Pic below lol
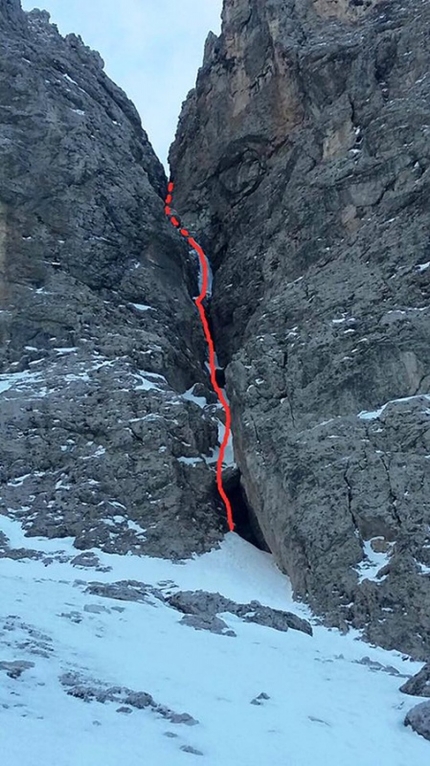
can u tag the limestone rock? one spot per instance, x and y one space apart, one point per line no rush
190 749
16 668
260 699
210 622
302 160
90 690
419 719
100 343
125 590
205 606
419 684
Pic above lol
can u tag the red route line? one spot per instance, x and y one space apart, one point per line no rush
199 303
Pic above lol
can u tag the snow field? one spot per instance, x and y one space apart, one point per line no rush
324 706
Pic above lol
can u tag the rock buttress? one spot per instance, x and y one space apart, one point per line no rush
99 337
302 156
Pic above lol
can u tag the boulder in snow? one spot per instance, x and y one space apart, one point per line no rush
419 719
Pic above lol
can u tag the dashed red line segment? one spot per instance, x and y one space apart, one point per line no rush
212 364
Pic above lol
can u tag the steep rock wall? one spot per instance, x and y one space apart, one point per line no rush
99 339
302 157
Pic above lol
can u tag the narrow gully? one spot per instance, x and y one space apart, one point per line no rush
205 288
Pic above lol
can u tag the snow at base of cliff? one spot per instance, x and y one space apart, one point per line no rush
260 697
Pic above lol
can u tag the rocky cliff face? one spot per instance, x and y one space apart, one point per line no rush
302 160
101 438
302 157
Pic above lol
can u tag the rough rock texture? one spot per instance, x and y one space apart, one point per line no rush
199 607
419 719
100 343
16 668
125 590
205 607
302 158
419 684
378 667
89 690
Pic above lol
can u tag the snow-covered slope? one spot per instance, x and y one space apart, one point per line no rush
259 697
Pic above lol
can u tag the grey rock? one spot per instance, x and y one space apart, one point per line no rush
272 618
185 718
205 606
139 700
75 617
124 590
87 560
419 719
95 608
314 719
379 667
99 336
12 14
16 668
260 699
419 684
18 554
26 637
191 749
90 690
302 162
207 622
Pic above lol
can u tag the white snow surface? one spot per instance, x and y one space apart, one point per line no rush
141 306
200 272
18 380
145 381
228 452
189 396
325 706
372 563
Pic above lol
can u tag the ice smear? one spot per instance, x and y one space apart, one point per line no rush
141 306
373 415
200 273
146 382
201 401
212 459
372 563
18 380
190 460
